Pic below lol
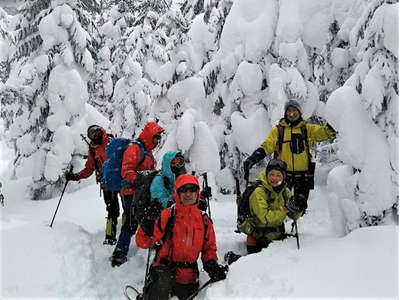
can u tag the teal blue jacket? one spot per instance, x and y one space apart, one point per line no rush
158 189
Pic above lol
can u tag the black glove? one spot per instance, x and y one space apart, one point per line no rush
254 158
153 211
202 205
71 176
206 193
292 207
147 226
216 271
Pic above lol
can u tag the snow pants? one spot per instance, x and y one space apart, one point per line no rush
129 224
112 207
162 284
301 184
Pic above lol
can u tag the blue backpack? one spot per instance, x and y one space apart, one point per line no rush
111 177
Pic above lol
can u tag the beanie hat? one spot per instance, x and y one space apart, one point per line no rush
293 103
276 164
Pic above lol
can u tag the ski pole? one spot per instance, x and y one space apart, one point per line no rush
59 201
296 234
199 290
205 184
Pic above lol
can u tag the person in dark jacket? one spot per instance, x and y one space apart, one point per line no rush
150 138
180 234
94 163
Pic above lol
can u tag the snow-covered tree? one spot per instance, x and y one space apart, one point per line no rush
371 92
44 97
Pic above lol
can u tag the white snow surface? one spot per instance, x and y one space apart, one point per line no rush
69 260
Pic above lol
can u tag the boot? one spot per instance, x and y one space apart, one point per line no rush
118 258
111 230
230 257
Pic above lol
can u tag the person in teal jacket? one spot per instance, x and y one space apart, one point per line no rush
162 187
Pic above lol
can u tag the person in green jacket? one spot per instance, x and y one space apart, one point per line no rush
269 203
291 141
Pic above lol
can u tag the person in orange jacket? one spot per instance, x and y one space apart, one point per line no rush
131 164
180 234
94 163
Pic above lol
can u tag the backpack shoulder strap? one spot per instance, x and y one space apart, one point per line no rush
279 143
304 134
266 191
142 150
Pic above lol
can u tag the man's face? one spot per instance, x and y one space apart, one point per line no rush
188 194
274 178
292 114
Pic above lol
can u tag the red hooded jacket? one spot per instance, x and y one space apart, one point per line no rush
132 155
99 157
191 235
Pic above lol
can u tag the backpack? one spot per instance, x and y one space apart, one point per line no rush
142 196
111 177
243 203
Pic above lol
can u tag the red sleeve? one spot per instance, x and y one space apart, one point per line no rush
89 167
144 241
130 162
209 250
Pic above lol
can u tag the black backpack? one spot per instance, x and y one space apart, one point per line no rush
142 196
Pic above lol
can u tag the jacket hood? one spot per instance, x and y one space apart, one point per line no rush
146 136
166 165
182 180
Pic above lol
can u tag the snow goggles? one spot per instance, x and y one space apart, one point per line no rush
94 133
177 162
191 188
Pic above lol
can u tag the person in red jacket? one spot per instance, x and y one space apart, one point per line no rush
94 163
180 234
131 164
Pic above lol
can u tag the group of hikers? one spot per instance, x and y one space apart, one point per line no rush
175 222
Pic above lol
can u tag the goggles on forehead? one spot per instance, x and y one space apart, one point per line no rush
177 162
94 132
277 163
191 188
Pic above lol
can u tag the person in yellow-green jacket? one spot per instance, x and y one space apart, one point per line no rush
291 141
269 204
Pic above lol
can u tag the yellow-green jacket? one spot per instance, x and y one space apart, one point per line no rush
268 210
295 162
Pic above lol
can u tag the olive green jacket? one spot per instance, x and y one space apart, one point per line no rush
268 210
295 162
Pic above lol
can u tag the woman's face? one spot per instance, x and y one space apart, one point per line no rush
292 114
274 178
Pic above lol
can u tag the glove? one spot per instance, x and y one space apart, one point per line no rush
301 201
202 205
254 158
292 208
153 211
147 226
71 176
216 271
246 168
206 193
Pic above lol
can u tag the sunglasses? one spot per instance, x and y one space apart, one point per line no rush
177 162
94 132
191 188
277 163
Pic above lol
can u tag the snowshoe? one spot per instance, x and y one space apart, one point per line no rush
230 257
118 258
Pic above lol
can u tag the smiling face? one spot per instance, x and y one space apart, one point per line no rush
275 178
292 114
188 194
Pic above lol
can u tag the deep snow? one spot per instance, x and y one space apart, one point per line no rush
69 260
